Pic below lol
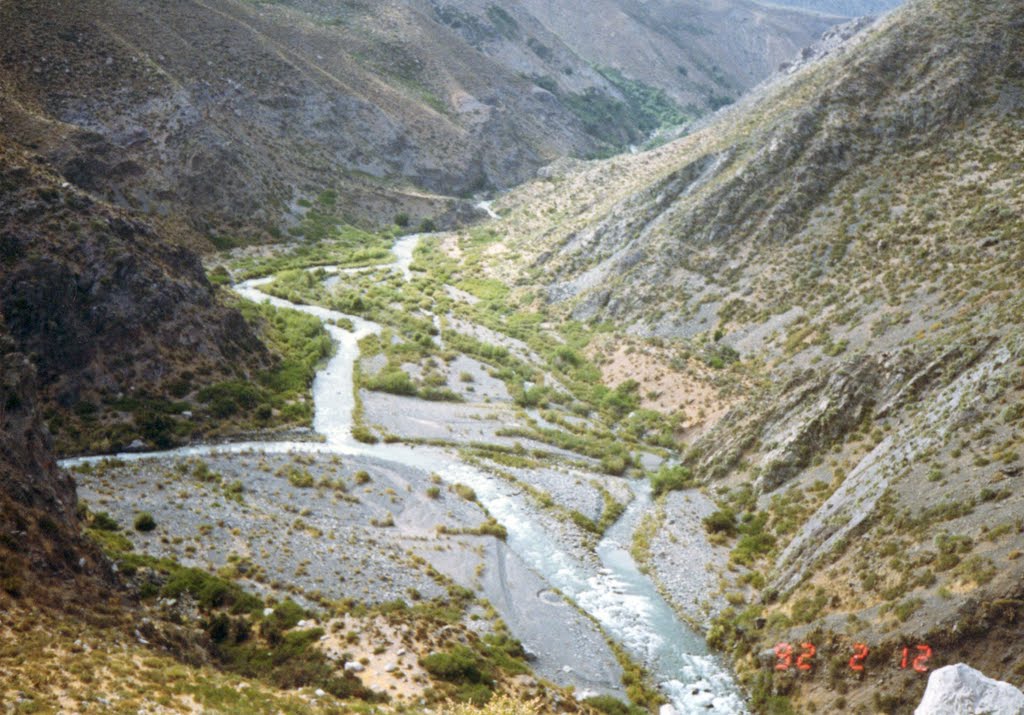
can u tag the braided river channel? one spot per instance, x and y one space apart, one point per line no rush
616 594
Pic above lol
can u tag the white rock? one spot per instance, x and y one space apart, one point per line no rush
401 651
390 668
961 690
320 693
354 667
300 624
667 709
566 668
268 612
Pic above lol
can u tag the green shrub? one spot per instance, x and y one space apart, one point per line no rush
612 706
396 382
460 665
754 542
145 522
722 521
465 491
202 472
104 522
157 428
473 693
209 591
614 464
491 527
364 435
300 477
584 522
623 399
1014 412
671 478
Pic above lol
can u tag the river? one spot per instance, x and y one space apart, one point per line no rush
618 596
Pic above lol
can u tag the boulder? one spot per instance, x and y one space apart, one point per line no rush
961 690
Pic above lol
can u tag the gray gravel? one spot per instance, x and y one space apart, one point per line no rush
460 423
301 539
288 540
684 562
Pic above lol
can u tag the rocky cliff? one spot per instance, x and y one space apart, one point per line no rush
42 554
107 308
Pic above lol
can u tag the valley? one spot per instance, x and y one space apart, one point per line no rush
361 512
447 357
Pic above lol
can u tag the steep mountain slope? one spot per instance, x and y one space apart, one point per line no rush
42 554
228 112
223 114
703 54
843 252
110 312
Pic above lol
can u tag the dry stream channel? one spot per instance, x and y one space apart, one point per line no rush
615 594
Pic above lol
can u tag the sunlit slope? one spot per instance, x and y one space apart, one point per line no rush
846 244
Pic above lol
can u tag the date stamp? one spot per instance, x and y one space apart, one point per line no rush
800 657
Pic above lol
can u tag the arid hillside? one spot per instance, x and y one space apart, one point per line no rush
110 311
222 116
840 256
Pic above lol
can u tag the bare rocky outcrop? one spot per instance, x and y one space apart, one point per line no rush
961 690
42 554
104 306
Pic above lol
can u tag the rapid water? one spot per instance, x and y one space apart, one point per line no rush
618 596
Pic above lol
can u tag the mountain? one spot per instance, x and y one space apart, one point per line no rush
704 55
835 261
222 116
42 554
846 8
131 133
109 308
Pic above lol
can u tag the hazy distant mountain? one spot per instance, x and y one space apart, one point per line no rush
849 8
703 54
